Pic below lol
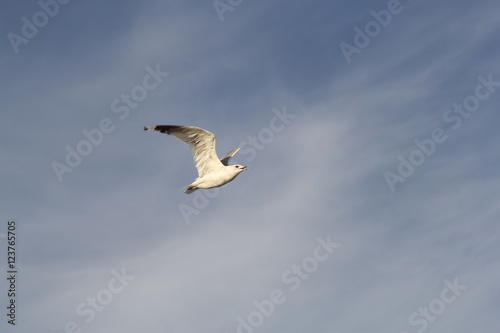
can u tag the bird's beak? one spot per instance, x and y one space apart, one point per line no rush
245 167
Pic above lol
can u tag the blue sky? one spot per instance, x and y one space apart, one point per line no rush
371 199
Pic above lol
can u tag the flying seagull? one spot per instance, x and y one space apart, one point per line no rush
212 172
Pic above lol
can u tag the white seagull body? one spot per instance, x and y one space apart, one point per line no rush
212 172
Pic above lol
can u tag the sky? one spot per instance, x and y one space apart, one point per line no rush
370 129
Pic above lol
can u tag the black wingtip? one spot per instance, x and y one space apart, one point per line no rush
145 128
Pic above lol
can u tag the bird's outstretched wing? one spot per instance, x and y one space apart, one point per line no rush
227 157
201 142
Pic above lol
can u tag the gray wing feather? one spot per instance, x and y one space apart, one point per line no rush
201 142
227 157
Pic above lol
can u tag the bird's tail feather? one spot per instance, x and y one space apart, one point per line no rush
189 189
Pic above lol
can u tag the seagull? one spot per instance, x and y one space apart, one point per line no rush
212 172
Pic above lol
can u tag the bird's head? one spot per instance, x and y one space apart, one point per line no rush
239 168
